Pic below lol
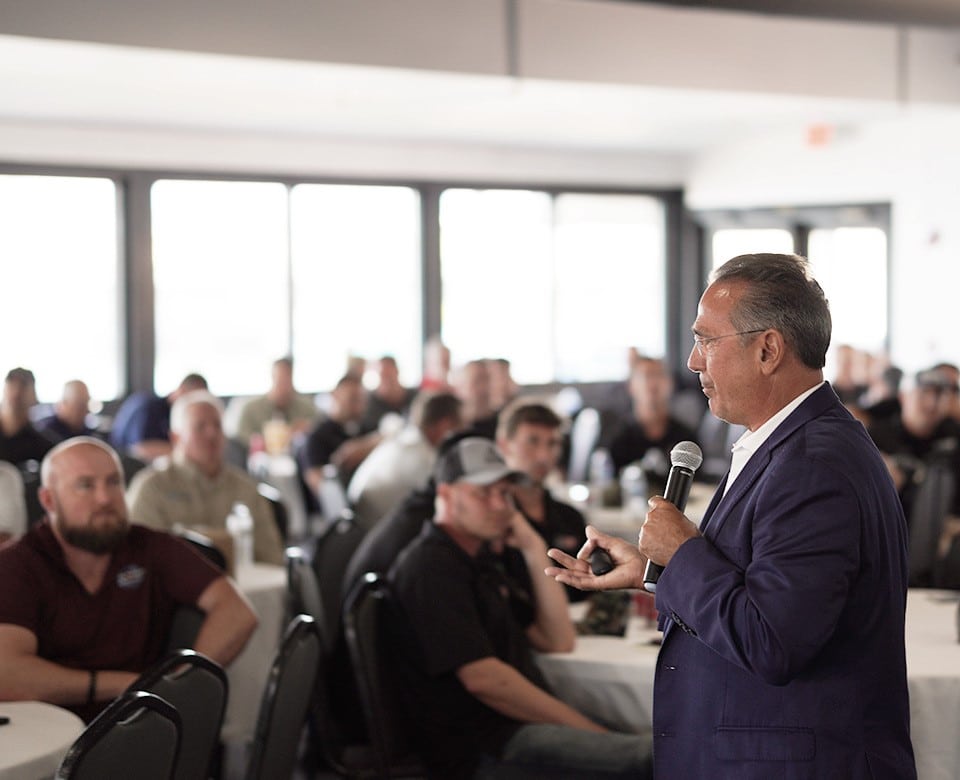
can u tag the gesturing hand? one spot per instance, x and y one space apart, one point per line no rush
627 571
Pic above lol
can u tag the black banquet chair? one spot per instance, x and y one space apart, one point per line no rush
365 614
287 699
197 686
137 735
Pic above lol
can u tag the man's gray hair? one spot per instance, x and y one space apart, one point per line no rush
178 412
780 293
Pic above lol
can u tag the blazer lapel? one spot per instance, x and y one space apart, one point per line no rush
720 507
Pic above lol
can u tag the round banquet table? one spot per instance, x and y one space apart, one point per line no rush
36 739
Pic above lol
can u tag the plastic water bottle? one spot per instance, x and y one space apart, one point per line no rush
633 491
601 476
240 528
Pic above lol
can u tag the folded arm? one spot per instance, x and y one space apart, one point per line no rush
229 621
24 676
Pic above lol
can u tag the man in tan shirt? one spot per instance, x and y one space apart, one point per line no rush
197 487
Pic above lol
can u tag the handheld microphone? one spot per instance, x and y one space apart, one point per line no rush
685 458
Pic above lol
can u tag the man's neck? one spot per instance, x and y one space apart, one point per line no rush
89 568
12 422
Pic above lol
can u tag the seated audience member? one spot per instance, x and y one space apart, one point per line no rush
196 486
531 440
436 366
920 432
336 440
952 372
404 461
70 414
652 432
881 399
141 427
20 442
851 374
476 702
388 397
503 389
472 385
87 600
281 402
13 505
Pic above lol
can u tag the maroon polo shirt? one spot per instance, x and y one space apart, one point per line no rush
124 626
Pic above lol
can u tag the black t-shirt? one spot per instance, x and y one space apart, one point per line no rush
453 610
26 444
913 453
629 443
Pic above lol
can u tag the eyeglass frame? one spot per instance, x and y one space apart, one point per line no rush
700 343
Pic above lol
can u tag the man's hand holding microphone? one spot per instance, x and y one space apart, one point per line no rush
608 563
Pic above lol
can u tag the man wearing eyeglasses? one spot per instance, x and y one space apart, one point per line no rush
783 612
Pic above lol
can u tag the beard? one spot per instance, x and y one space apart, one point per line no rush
94 540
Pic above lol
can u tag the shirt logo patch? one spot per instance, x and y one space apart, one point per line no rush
131 576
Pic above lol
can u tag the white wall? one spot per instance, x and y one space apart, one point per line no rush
911 161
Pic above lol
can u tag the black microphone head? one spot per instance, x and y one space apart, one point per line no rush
686 454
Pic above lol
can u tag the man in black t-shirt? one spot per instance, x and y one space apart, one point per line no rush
475 700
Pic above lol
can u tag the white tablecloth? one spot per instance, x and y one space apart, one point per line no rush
622 523
611 679
36 739
264 586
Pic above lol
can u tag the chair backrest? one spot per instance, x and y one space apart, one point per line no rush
13 503
287 699
303 592
366 611
203 545
931 504
584 434
137 735
197 687
332 551
280 514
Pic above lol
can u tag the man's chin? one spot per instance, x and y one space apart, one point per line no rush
98 541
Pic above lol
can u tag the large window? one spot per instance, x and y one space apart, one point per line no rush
356 279
221 281
847 249
61 313
559 285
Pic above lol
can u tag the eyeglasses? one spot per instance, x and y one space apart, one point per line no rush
700 343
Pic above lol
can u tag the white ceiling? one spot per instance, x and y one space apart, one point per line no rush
113 87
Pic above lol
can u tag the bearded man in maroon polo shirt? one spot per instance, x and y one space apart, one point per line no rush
87 599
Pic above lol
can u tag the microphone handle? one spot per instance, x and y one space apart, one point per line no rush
677 492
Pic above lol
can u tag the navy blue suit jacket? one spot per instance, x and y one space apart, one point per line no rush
783 651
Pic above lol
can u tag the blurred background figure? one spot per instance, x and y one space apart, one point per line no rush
141 427
196 487
70 414
503 388
436 365
404 461
389 396
20 442
282 407
472 385
652 431
337 440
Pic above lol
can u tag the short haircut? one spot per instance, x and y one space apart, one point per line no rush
178 412
524 411
428 409
780 293
347 379
46 466
22 375
285 361
194 382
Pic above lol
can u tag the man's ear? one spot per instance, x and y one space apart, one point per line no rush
772 350
45 496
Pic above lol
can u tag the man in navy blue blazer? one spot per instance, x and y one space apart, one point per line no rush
783 613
